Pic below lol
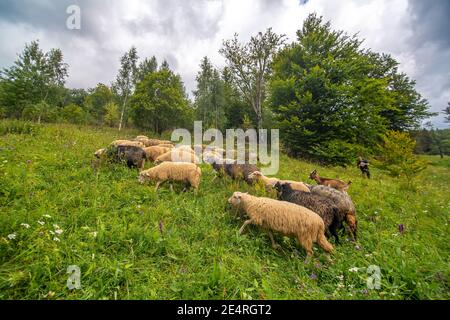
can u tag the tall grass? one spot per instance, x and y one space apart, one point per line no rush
131 243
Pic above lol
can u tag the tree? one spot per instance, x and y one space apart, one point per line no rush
145 67
396 156
209 96
160 102
408 107
249 64
35 77
440 140
126 80
112 115
447 113
97 100
74 114
330 96
236 107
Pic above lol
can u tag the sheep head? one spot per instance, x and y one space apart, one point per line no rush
313 175
99 153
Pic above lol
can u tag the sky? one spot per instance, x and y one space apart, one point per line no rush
415 32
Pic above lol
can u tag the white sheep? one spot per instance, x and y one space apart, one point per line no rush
287 218
271 182
128 143
177 155
187 173
154 152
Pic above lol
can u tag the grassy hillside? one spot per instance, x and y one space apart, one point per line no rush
131 243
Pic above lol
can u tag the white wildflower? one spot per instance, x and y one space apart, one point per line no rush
52 233
340 285
58 231
47 216
56 226
56 239
41 222
25 225
12 236
94 234
341 277
354 269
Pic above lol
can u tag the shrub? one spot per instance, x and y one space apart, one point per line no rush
18 127
112 115
395 155
74 114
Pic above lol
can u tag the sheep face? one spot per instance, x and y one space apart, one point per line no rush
313 175
99 153
255 176
236 199
142 178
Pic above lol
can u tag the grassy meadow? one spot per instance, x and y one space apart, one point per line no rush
56 210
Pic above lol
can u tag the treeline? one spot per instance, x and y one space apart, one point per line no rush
331 98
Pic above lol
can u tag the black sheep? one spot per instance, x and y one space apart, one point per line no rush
134 157
324 207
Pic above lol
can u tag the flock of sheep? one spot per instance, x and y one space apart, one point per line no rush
308 213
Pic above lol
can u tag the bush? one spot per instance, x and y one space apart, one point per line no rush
395 155
41 111
337 152
74 114
112 114
18 127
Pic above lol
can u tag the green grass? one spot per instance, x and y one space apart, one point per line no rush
131 243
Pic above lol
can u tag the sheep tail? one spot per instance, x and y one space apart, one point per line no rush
323 242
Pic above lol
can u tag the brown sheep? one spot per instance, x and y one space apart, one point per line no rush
334 183
286 218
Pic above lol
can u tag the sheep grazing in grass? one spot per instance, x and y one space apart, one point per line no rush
344 203
334 183
177 155
271 182
324 207
154 152
284 217
152 142
129 143
166 145
133 156
234 170
98 154
187 173
211 157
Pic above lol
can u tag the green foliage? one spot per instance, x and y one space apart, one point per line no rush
395 155
112 115
35 76
41 111
131 243
18 127
325 88
338 152
248 65
97 100
209 96
160 102
73 113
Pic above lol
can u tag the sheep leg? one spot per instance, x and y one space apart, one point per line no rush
275 245
241 230
334 231
158 184
171 186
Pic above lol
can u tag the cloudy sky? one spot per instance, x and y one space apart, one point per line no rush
415 32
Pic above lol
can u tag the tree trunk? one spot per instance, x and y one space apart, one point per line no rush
122 113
